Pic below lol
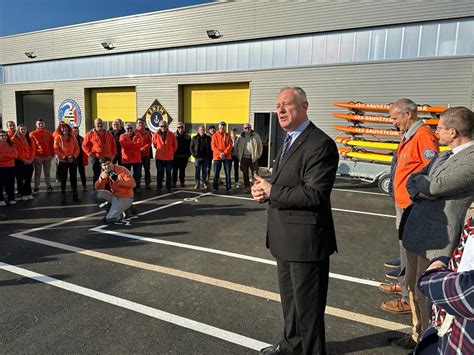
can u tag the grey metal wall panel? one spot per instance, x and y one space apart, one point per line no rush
440 82
239 20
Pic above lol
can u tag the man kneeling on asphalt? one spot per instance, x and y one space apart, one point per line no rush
115 186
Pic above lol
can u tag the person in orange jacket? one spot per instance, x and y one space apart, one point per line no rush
131 143
11 129
146 152
26 148
221 145
114 186
165 144
44 154
8 154
99 143
66 149
82 159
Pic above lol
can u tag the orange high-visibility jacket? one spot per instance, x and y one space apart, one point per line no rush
146 136
221 142
8 154
25 151
65 147
412 155
122 187
131 148
165 149
44 142
99 145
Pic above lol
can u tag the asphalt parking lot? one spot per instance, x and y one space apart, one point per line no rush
190 275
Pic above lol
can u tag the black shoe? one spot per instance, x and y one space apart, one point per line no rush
63 199
392 264
137 190
405 342
158 191
393 274
75 198
272 350
170 191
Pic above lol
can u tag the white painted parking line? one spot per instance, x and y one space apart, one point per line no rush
366 213
142 309
355 317
363 192
100 229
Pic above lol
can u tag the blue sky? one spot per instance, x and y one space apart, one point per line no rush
20 16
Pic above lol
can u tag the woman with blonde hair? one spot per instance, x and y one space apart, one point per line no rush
26 149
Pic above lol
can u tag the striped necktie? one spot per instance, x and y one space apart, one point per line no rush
286 145
442 160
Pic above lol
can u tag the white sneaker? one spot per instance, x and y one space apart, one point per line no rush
3 203
24 198
12 202
29 197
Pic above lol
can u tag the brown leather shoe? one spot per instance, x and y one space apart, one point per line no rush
396 306
390 288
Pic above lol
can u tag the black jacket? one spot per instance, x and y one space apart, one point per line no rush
184 141
201 146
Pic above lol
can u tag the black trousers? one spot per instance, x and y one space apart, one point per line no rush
245 165
82 172
179 167
63 169
96 170
303 292
7 182
235 165
24 173
146 167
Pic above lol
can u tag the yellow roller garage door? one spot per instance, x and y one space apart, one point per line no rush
211 103
112 103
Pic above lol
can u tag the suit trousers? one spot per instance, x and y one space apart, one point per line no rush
303 292
420 305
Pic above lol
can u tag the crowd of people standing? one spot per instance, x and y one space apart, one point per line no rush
24 155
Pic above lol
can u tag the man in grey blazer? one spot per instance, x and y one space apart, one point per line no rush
300 229
441 194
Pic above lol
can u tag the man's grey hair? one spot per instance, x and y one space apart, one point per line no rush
406 105
461 119
300 93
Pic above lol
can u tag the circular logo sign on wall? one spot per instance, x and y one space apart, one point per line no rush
69 112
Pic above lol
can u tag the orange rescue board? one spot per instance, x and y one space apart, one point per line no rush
385 107
376 119
370 131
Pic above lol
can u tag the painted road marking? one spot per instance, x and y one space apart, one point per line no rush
355 317
142 309
100 229
363 192
365 213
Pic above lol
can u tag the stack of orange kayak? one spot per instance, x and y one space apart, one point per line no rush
357 147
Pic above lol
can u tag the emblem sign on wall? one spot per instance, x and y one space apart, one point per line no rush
156 113
69 112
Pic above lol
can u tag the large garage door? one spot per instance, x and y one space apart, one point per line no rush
112 103
211 103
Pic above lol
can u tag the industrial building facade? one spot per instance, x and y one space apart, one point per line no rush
227 60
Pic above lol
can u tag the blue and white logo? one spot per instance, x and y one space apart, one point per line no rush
69 112
429 154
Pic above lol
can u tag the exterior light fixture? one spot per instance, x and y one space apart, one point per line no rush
213 34
108 45
30 55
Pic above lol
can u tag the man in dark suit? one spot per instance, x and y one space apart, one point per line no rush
300 230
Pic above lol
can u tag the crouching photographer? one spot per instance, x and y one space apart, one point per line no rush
115 186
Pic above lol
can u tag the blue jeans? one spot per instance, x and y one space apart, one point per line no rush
200 165
161 166
217 171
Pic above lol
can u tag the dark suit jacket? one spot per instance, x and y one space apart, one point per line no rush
300 225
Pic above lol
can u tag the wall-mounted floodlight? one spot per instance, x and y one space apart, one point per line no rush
213 34
30 55
108 45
